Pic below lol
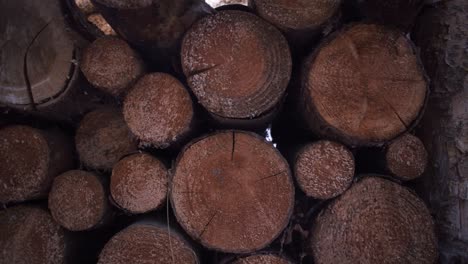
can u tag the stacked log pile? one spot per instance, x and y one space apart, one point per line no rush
232 135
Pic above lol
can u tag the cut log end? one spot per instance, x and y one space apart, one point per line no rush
232 191
296 15
262 259
147 243
158 110
103 138
111 65
365 85
29 235
29 160
139 183
237 65
77 200
324 169
375 221
406 157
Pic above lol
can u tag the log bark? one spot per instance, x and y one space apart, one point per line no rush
102 138
441 33
153 27
237 65
139 183
159 110
324 169
30 159
28 234
111 65
232 191
406 157
147 242
78 201
375 221
364 86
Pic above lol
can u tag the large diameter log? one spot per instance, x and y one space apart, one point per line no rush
154 27
78 200
139 183
441 34
111 65
143 243
262 259
237 65
324 169
232 191
406 157
28 235
103 138
363 86
375 221
29 160
159 110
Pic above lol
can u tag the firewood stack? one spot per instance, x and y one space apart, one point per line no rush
230 133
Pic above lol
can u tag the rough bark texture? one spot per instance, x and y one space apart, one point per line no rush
363 86
143 243
324 169
28 235
139 183
159 110
441 33
237 65
232 191
78 200
154 27
30 159
375 221
103 138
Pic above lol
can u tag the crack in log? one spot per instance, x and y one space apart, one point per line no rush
207 224
25 64
271 176
233 145
202 70
396 114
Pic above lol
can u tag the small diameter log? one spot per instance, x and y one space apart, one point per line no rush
139 183
262 259
28 235
296 16
103 138
232 191
29 160
159 110
364 86
78 200
226 3
154 27
375 221
324 169
111 65
237 65
406 157
143 243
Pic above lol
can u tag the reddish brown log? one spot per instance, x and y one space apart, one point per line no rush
28 235
29 161
363 86
406 157
159 110
262 259
103 138
237 65
78 200
139 183
375 221
232 191
143 243
324 169
111 65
